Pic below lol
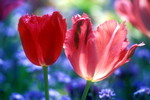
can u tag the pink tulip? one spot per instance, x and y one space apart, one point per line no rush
137 12
95 55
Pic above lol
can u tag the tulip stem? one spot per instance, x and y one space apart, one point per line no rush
45 70
86 89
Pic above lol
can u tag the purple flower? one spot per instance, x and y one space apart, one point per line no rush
54 94
131 70
6 64
142 92
64 98
106 94
62 77
16 96
64 62
76 87
34 95
2 78
22 60
1 49
143 54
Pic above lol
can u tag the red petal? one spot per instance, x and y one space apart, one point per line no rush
51 37
27 40
42 37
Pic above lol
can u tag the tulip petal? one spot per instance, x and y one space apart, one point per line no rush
77 17
145 12
124 8
129 54
46 34
27 40
135 11
110 38
51 37
126 58
76 50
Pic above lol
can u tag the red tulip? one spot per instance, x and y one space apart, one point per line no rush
6 6
137 12
42 37
95 55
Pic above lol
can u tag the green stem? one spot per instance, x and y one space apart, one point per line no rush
45 70
86 89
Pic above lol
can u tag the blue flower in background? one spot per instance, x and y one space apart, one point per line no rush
131 70
62 77
64 98
22 60
75 84
142 94
1 61
8 30
6 64
64 63
2 78
141 91
46 10
106 94
1 52
16 96
34 95
143 53
22 10
75 89
54 95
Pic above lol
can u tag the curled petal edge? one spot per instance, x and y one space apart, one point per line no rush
124 60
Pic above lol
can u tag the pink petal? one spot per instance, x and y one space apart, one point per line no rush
136 11
124 8
76 46
129 54
78 17
145 12
110 38
126 58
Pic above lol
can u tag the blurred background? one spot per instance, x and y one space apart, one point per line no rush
21 80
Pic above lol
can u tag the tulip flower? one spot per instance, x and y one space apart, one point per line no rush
95 55
137 12
42 39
